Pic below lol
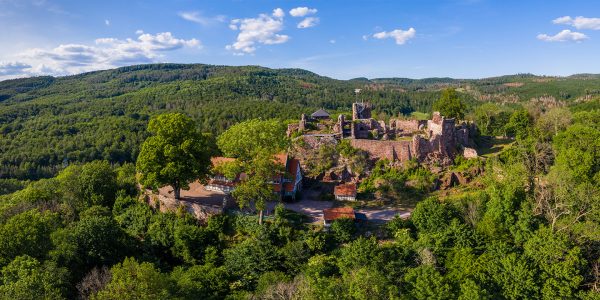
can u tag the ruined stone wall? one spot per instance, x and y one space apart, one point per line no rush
421 147
364 128
434 128
292 128
361 111
391 150
406 127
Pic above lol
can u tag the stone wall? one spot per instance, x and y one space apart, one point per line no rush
361 111
406 127
391 150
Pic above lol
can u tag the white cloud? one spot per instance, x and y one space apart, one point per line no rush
197 17
13 68
332 41
563 36
107 22
401 36
263 29
302 11
105 53
278 13
308 22
579 22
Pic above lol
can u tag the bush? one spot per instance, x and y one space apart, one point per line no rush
343 229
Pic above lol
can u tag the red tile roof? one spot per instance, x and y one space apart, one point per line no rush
345 190
281 158
330 214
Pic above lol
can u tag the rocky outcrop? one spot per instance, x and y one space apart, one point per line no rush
200 211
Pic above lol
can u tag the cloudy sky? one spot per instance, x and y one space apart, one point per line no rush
340 39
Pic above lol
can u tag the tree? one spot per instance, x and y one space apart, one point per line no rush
357 254
93 183
133 280
25 278
250 258
246 139
27 233
431 215
554 121
366 284
175 154
491 118
578 152
201 282
93 282
560 262
450 105
343 229
258 189
520 124
95 240
424 282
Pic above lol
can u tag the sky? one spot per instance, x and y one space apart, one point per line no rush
339 39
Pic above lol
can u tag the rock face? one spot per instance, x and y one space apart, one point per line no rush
200 211
452 179
469 153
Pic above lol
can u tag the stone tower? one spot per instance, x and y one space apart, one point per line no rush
361 111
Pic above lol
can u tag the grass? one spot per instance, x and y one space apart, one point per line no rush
497 145
417 115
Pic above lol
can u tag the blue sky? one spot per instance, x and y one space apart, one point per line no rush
340 39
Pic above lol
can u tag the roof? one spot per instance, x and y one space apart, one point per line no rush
330 214
291 166
345 190
281 158
320 114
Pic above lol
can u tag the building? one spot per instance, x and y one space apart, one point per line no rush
345 192
220 183
286 184
320 114
332 214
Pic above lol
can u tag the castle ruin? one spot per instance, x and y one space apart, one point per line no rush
439 139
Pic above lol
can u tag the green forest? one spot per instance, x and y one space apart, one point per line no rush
72 225
47 123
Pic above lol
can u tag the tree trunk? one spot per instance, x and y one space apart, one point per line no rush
260 217
177 192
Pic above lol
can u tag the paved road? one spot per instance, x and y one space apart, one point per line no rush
314 209
384 214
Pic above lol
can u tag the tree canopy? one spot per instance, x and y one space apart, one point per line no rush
247 139
175 154
450 104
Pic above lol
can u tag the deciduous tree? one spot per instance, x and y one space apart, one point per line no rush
450 105
175 154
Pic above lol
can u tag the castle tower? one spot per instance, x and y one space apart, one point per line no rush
361 111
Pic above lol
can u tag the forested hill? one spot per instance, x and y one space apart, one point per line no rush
48 122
